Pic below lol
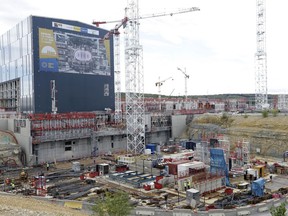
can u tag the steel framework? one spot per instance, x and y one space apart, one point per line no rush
261 99
117 73
134 82
134 76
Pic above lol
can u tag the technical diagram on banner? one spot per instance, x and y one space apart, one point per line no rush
69 52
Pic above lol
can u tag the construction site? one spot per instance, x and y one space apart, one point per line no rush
180 155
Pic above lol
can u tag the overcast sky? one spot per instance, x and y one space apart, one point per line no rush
215 45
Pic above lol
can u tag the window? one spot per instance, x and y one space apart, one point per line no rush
112 145
68 146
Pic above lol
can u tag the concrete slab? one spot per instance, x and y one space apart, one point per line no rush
276 183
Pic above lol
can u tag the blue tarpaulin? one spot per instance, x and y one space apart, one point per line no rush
258 187
218 163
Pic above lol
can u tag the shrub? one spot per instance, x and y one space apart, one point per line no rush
278 211
265 113
275 112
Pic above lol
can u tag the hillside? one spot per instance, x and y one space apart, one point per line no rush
267 135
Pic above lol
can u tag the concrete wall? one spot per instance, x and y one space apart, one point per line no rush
160 137
3 124
178 125
258 209
23 137
148 122
113 144
60 151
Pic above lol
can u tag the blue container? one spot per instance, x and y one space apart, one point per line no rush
152 147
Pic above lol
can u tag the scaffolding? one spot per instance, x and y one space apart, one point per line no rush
208 183
282 102
53 127
242 152
10 95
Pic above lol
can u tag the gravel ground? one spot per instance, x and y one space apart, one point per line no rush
27 206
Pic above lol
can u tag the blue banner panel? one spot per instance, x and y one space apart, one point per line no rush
49 65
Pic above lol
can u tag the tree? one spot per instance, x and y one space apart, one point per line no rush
278 211
113 204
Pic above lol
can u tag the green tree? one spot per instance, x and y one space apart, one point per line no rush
113 204
278 211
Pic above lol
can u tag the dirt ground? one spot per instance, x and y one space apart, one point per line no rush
26 206
18 205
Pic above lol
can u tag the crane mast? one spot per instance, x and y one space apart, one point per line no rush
261 99
117 77
186 76
134 82
117 73
159 84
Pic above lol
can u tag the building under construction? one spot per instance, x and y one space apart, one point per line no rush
57 92
53 65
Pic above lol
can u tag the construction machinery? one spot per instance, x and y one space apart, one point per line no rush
159 84
134 76
186 76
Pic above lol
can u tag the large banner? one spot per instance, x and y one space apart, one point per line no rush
71 52
48 53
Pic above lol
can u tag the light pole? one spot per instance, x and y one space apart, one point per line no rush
178 194
143 165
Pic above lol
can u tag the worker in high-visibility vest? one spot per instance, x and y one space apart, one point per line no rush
12 185
188 185
185 185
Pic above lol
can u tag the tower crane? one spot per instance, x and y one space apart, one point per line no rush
134 76
186 77
159 84
146 16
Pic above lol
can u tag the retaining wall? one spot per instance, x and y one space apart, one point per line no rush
259 208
